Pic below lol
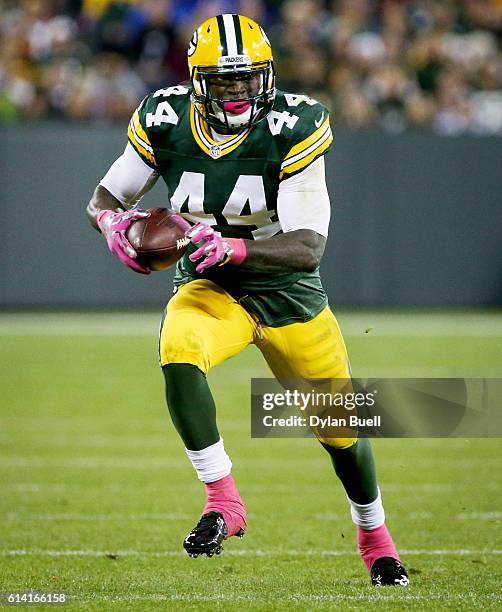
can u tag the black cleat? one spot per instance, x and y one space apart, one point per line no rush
387 571
207 536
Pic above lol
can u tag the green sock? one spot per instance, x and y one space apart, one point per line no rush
355 467
191 405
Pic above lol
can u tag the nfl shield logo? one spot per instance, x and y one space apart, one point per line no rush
215 151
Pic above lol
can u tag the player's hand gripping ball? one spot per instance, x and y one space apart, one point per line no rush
213 249
113 226
145 240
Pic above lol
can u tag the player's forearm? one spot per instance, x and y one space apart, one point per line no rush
101 199
296 251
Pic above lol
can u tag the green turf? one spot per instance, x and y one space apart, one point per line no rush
97 493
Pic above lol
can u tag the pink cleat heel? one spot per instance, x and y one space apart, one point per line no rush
223 496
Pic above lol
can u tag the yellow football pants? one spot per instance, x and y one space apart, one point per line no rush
204 326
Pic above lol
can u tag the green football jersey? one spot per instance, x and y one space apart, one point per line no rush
232 185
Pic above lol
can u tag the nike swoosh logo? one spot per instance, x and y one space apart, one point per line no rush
318 123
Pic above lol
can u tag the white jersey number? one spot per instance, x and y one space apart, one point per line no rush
248 188
277 120
176 90
191 188
295 99
164 113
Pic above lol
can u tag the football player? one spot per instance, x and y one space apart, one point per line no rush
244 166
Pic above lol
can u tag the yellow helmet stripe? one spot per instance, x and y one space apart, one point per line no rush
254 41
249 36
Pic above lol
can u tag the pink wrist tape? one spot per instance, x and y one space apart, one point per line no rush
238 246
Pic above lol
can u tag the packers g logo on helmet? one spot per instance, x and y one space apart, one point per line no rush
192 45
232 46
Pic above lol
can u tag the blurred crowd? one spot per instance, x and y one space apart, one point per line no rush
431 64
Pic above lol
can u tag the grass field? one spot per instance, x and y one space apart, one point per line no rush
97 493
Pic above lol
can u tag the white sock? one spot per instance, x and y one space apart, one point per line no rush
211 463
368 516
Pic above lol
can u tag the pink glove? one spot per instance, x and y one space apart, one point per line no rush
214 248
113 226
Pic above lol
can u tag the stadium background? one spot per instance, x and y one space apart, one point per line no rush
415 90
97 492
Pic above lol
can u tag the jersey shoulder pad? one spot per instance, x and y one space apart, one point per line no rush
310 135
152 121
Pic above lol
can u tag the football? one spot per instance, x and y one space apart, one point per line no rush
157 239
